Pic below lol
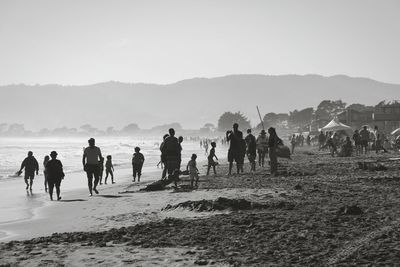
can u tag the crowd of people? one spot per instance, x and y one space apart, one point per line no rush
171 160
361 142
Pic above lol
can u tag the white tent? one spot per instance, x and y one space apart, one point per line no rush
335 125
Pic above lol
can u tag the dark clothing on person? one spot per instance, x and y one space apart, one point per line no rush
171 150
92 170
54 170
273 143
235 152
211 162
251 144
55 175
137 164
31 166
357 139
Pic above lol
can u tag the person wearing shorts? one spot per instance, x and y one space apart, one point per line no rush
31 166
90 161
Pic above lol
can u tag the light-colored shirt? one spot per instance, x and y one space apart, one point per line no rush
192 167
93 155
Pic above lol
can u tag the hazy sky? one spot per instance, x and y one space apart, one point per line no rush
82 42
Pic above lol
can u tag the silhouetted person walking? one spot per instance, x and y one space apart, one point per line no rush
46 159
31 166
109 169
211 156
90 161
55 174
235 139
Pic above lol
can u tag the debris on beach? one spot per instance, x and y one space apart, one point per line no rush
350 210
222 203
371 166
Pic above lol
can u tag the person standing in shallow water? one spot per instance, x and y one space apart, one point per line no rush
31 166
90 161
273 143
55 174
109 170
46 159
235 139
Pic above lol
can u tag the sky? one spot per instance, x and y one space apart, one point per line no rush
79 42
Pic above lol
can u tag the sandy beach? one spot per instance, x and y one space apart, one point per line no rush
319 211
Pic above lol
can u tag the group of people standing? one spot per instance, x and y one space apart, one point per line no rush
239 147
361 142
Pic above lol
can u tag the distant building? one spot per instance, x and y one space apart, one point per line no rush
385 116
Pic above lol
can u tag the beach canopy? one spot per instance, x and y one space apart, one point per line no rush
395 132
335 125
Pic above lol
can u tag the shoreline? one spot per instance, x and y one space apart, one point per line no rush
42 210
74 197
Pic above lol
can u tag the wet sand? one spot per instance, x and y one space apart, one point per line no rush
332 214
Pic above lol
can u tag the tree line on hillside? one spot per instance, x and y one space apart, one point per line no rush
295 119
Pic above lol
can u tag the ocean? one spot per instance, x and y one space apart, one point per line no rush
70 150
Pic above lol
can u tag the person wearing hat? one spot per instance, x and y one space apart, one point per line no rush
55 174
262 147
91 157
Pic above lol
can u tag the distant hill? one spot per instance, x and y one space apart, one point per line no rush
192 102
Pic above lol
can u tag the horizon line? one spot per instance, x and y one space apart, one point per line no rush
196 77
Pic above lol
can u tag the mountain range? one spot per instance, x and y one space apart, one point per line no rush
191 102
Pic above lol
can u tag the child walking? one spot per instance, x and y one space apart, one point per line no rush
137 164
211 156
109 170
193 171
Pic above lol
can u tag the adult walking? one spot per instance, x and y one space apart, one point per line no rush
262 147
235 139
273 143
31 165
55 174
90 161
